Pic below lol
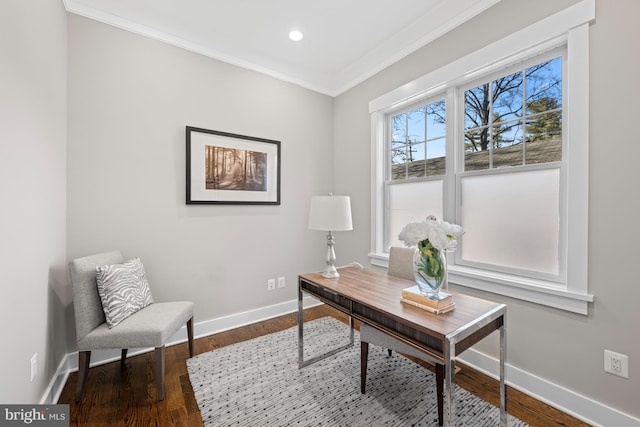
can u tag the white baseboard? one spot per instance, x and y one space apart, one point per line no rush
221 324
201 329
574 404
54 389
569 402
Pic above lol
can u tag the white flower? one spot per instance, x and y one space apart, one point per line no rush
453 230
414 232
441 234
439 239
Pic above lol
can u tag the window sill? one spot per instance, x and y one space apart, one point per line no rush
381 260
539 292
535 291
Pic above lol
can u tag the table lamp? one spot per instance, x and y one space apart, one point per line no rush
330 213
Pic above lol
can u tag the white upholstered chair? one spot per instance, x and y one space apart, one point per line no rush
400 265
151 326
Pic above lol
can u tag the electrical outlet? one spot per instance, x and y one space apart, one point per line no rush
281 283
34 366
616 363
271 284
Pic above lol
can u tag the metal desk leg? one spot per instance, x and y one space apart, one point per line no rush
352 325
449 383
300 330
301 362
503 386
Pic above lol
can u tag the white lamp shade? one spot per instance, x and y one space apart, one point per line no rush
330 213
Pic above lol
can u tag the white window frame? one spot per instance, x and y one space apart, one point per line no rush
570 28
550 279
387 182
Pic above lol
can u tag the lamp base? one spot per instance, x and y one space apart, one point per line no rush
330 272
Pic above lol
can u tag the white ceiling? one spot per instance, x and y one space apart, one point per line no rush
345 41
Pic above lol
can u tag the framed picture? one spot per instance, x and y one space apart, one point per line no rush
226 168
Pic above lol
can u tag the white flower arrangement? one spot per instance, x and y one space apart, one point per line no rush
433 238
441 234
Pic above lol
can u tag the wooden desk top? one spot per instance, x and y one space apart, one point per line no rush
373 297
382 293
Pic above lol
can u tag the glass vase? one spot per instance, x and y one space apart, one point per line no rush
429 269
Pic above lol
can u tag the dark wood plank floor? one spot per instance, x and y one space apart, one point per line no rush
127 397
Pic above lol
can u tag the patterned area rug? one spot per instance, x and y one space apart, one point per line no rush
258 383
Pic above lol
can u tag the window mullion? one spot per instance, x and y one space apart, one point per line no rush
426 148
453 156
407 146
524 117
490 125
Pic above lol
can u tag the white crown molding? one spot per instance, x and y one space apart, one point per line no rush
551 31
316 84
442 18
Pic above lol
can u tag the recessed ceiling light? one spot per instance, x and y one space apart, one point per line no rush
295 35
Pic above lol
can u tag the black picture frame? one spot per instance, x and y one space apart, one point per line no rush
231 169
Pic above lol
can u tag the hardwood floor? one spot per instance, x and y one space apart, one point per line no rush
116 396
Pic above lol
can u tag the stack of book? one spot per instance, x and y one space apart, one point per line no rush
438 305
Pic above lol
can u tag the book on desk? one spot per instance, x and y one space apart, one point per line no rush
435 304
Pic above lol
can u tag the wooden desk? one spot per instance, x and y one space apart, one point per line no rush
373 297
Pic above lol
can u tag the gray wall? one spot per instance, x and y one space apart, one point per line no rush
130 98
563 348
122 155
33 194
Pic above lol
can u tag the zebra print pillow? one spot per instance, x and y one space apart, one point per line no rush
123 290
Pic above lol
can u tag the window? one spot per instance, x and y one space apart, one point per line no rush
417 141
416 154
490 149
509 183
515 119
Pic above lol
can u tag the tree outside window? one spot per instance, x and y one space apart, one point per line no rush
499 132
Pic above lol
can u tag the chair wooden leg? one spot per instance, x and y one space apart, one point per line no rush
123 356
440 390
84 357
190 336
364 356
159 356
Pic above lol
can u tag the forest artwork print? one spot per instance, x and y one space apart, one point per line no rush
233 169
228 168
